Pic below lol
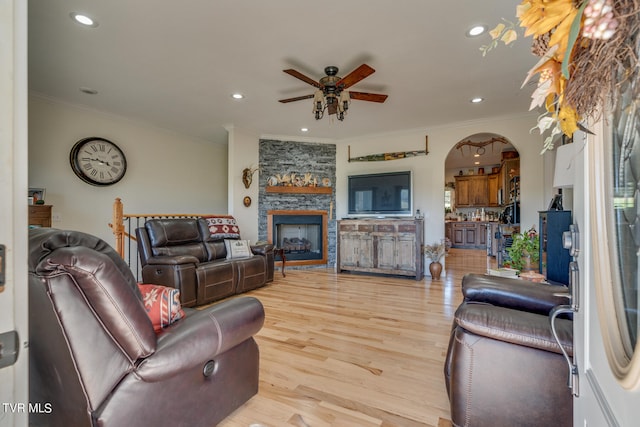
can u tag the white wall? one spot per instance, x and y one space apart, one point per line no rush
166 172
172 173
243 153
429 172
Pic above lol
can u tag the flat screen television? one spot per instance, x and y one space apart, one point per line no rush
381 194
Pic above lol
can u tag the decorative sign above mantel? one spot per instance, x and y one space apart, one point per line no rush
390 156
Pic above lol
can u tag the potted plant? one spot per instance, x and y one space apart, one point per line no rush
435 252
524 252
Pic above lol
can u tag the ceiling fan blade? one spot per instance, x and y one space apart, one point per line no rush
297 98
299 75
356 75
363 96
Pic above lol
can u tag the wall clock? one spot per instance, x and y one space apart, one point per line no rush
98 161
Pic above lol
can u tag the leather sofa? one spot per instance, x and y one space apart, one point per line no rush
183 253
503 365
95 359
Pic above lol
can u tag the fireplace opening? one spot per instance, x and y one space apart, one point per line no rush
299 236
302 235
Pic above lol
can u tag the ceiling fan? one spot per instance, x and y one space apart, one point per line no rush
331 95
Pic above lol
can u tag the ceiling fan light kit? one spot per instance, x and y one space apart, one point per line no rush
338 100
331 95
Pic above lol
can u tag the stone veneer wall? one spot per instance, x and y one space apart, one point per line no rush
286 157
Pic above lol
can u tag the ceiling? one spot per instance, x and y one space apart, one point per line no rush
175 64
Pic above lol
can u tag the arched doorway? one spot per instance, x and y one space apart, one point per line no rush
482 189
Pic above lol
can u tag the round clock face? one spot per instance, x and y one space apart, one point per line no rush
98 161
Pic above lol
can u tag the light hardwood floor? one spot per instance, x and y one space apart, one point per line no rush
355 350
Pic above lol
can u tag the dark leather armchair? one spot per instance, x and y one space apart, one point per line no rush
94 355
517 294
503 365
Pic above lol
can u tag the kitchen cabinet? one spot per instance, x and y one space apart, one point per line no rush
478 193
511 177
448 231
468 234
482 234
462 191
464 234
389 246
471 191
493 181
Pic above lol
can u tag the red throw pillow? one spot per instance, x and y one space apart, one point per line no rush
162 304
223 227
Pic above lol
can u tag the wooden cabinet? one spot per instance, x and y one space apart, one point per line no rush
511 176
478 193
468 234
40 215
358 250
389 246
462 192
493 181
448 231
482 234
484 190
464 234
472 190
511 167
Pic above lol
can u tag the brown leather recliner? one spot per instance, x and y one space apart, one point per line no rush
503 365
96 360
181 253
514 293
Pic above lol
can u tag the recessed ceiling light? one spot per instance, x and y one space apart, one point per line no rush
304 129
88 90
477 100
476 155
237 96
476 30
476 163
84 20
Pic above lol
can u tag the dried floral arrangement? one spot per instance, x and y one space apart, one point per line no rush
435 251
581 44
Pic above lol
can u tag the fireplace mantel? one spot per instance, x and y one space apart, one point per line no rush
297 190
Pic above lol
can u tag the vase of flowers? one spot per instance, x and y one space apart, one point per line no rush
524 252
435 252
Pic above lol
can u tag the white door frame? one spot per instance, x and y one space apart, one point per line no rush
602 401
14 393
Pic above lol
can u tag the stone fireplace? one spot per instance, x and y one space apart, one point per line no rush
302 234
